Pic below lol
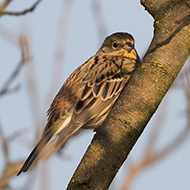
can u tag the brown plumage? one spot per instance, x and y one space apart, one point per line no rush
89 93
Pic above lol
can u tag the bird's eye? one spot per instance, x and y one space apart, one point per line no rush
115 45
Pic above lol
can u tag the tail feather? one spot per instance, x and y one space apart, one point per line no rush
33 156
52 147
58 143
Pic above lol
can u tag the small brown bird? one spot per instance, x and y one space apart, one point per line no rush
88 95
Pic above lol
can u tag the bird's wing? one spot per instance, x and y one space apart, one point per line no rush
103 84
61 109
95 86
102 81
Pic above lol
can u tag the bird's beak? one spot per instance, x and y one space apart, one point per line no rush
126 47
131 53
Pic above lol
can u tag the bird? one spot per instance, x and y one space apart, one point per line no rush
89 93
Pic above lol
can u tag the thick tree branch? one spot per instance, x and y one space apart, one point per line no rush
166 56
152 155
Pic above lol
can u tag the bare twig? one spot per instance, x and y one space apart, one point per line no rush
4 4
19 13
16 134
5 145
10 91
11 168
6 87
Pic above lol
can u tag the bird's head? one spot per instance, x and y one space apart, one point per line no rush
121 44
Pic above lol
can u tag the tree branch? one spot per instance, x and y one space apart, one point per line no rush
114 140
4 4
10 167
18 13
25 57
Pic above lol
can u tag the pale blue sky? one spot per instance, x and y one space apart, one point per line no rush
82 41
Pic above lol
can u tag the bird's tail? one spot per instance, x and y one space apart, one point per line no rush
34 154
51 147
59 142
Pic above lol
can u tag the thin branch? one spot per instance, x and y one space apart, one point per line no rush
10 168
4 4
10 171
25 57
16 134
6 87
4 144
19 13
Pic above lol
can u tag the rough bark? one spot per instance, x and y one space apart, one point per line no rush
164 59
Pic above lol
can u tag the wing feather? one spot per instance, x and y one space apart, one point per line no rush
103 82
102 85
86 92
